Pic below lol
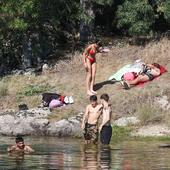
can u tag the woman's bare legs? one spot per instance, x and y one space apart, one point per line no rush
88 78
93 66
139 79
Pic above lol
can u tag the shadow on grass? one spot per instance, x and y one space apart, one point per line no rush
101 84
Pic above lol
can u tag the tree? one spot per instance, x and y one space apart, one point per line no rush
31 30
135 17
87 20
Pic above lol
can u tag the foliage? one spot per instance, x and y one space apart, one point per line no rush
38 23
31 90
163 7
18 14
33 30
135 17
119 133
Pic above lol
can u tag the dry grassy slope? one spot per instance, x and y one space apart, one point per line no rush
68 78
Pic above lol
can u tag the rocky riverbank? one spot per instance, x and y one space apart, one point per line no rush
35 122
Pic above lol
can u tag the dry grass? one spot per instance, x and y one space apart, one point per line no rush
68 78
3 88
148 113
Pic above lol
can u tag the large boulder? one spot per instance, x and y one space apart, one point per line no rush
65 127
125 121
36 122
152 130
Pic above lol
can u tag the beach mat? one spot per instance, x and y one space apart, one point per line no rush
118 75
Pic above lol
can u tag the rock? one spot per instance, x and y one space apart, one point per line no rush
124 121
17 72
64 128
22 127
152 130
45 68
6 124
23 107
35 113
29 72
40 125
35 122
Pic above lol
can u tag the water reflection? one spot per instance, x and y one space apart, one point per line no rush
105 157
96 156
72 154
17 159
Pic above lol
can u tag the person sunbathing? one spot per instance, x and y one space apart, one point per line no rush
150 71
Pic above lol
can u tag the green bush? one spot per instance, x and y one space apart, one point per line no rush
119 133
135 17
31 90
163 7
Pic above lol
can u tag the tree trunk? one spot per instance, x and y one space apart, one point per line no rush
87 22
27 53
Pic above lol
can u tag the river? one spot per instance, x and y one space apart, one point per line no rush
71 154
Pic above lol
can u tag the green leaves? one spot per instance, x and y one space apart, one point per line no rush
34 89
164 7
18 14
48 22
18 23
136 17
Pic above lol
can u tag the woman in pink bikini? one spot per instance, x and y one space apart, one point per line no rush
89 59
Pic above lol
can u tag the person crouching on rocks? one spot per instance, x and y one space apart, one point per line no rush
20 146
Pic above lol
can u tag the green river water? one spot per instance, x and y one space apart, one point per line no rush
71 154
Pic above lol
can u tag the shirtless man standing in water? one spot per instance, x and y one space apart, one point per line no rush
90 120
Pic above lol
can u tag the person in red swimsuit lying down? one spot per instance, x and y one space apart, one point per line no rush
150 71
89 60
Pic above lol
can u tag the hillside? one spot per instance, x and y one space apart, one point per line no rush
68 78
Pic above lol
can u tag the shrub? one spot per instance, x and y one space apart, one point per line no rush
135 17
31 90
119 133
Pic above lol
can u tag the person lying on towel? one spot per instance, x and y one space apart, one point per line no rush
150 71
